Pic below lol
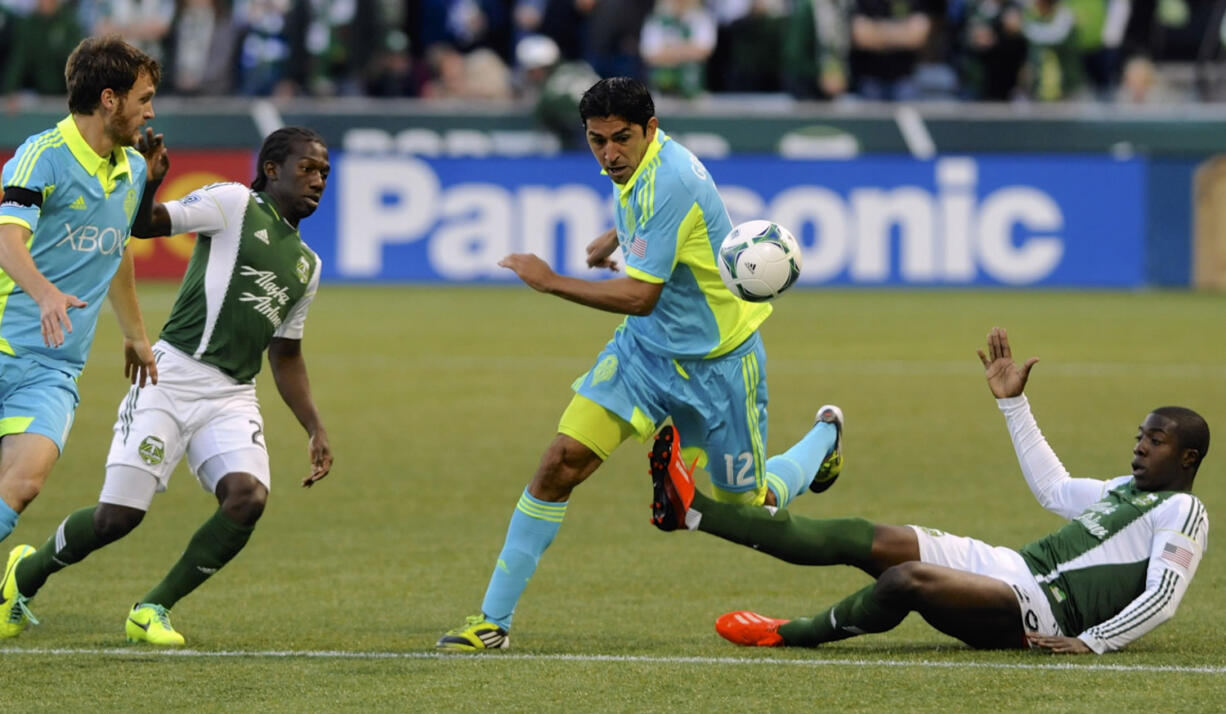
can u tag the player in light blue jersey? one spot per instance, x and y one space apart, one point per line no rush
688 350
1115 571
69 197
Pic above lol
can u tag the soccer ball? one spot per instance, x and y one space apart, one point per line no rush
758 260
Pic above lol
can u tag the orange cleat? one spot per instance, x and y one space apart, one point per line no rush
750 629
672 481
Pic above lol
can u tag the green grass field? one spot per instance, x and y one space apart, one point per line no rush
439 402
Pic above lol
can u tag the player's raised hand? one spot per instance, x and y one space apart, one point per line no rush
1005 378
599 250
321 457
53 307
139 364
157 158
535 272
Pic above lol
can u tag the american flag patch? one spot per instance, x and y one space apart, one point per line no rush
1179 556
638 246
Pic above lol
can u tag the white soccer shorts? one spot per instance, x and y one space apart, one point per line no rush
194 410
1005 564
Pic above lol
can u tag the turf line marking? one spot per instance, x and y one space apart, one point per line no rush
629 659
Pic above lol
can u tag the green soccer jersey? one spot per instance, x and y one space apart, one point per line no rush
1121 565
251 278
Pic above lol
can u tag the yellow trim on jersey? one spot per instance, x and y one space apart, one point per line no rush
94 164
16 221
25 167
652 152
640 275
755 497
6 290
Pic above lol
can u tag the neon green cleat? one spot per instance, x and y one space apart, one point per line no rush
12 603
830 469
151 623
476 634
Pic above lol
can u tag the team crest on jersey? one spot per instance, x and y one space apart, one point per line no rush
1144 500
304 269
129 203
152 450
605 370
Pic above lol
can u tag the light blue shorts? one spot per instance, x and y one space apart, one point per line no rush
36 399
718 405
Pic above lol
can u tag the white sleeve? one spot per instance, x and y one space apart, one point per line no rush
1180 535
294 325
1049 481
205 209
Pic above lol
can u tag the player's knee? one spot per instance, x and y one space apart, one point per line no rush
242 498
901 585
112 522
565 464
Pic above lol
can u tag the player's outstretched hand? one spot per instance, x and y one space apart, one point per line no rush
139 365
53 308
1058 644
1005 378
535 272
599 250
321 457
157 158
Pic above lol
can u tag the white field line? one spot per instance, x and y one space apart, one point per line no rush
494 657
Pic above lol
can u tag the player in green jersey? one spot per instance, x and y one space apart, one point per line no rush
247 289
1116 571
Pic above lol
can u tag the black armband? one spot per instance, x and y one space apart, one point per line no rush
23 197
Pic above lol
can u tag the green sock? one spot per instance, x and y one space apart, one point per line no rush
856 614
796 539
213 545
71 542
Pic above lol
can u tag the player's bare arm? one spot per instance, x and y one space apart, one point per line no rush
290 373
599 250
16 262
1005 378
1057 644
152 219
625 296
139 366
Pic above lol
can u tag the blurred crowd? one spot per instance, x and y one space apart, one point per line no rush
547 50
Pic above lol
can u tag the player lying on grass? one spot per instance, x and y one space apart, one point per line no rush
247 288
688 349
1117 570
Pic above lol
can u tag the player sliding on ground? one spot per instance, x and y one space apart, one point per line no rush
688 349
1116 571
247 287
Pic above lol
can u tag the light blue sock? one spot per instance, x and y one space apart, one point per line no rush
8 520
533 526
790 473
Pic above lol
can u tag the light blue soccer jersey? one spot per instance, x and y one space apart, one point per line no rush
670 221
79 235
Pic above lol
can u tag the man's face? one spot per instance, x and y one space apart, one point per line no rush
298 183
618 145
130 111
1157 459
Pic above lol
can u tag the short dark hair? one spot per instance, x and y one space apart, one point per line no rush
105 62
1191 430
277 147
624 97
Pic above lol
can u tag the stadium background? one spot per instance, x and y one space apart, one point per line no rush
1086 227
